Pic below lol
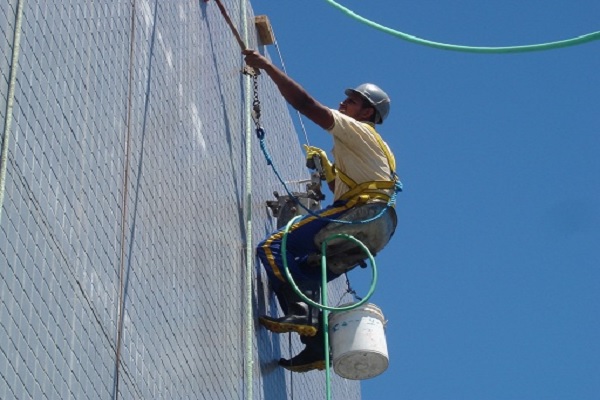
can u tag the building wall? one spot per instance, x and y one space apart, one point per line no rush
126 187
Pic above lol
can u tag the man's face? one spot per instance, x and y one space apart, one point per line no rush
354 106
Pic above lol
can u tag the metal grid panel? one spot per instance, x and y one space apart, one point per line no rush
60 233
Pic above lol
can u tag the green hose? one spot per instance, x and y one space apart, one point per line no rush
249 326
507 49
323 306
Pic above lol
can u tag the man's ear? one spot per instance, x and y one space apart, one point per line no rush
368 114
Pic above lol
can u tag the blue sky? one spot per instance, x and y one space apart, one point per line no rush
491 285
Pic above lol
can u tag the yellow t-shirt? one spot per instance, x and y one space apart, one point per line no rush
357 153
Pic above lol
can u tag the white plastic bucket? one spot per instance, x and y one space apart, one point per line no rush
358 342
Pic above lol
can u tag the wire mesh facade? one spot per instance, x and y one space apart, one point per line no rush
126 188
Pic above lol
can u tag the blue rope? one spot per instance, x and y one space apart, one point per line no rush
260 133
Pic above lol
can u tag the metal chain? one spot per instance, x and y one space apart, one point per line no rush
256 102
260 132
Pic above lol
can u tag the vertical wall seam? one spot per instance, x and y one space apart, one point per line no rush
10 101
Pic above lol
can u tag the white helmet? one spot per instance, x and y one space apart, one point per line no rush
374 96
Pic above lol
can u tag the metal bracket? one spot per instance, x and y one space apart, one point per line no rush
284 208
250 71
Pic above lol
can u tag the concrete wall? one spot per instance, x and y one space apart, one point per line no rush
126 169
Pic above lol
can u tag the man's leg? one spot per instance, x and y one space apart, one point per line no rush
313 355
300 317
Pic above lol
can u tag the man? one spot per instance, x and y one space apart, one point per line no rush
363 175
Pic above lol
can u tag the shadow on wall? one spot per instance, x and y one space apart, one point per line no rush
227 120
268 344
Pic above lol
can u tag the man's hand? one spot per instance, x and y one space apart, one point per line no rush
328 168
312 151
255 60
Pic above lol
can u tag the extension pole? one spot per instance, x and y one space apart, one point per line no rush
231 26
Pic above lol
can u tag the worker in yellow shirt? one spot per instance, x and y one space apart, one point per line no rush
363 175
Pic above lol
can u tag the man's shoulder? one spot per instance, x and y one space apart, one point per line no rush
343 122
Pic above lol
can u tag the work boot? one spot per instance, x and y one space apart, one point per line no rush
311 358
300 317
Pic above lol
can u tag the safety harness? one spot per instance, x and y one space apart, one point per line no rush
361 193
